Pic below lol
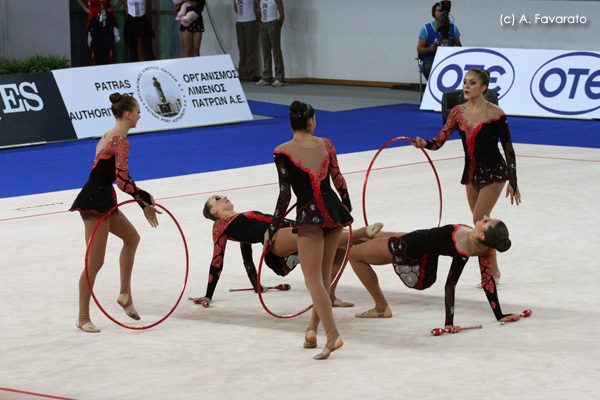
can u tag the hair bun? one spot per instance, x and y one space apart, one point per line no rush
115 98
504 245
296 106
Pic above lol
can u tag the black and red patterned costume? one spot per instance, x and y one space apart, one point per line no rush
317 203
483 162
98 195
100 26
246 228
415 260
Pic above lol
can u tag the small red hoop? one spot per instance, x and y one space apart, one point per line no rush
87 275
335 280
371 165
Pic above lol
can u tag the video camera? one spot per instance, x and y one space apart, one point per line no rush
444 24
445 6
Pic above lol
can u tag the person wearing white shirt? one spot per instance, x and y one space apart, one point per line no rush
246 29
138 30
271 18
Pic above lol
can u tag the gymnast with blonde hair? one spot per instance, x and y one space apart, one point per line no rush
251 227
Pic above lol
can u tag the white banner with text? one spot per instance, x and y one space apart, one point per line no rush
174 93
547 83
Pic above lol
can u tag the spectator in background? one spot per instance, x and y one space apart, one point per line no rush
246 28
138 31
430 37
191 36
272 16
101 29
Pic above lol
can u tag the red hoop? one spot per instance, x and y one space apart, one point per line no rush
335 280
371 165
87 275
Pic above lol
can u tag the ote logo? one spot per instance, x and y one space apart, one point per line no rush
448 74
568 84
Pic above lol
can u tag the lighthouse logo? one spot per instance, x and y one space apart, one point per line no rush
160 94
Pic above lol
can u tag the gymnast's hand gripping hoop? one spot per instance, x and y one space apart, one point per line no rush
371 166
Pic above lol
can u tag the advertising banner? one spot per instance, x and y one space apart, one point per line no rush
32 111
547 83
173 93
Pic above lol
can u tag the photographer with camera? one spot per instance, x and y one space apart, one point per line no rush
440 32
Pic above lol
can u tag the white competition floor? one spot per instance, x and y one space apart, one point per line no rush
235 350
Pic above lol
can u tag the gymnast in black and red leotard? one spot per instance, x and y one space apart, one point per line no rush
250 227
305 165
98 196
415 256
246 228
481 124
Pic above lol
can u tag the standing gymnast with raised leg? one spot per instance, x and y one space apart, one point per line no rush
305 165
480 124
98 196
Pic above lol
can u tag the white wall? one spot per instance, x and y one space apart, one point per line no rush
363 40
35 27
2 28
376 40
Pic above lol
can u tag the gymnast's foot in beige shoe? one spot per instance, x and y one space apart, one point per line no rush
374 229
341 303
87 327
373 313
310 339
125 302
328 350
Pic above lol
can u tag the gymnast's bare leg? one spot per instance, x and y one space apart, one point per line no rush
316 249
120 226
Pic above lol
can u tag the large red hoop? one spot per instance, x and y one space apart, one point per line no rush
371 165
335 280
87 275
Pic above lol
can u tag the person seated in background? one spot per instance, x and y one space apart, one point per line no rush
439 32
